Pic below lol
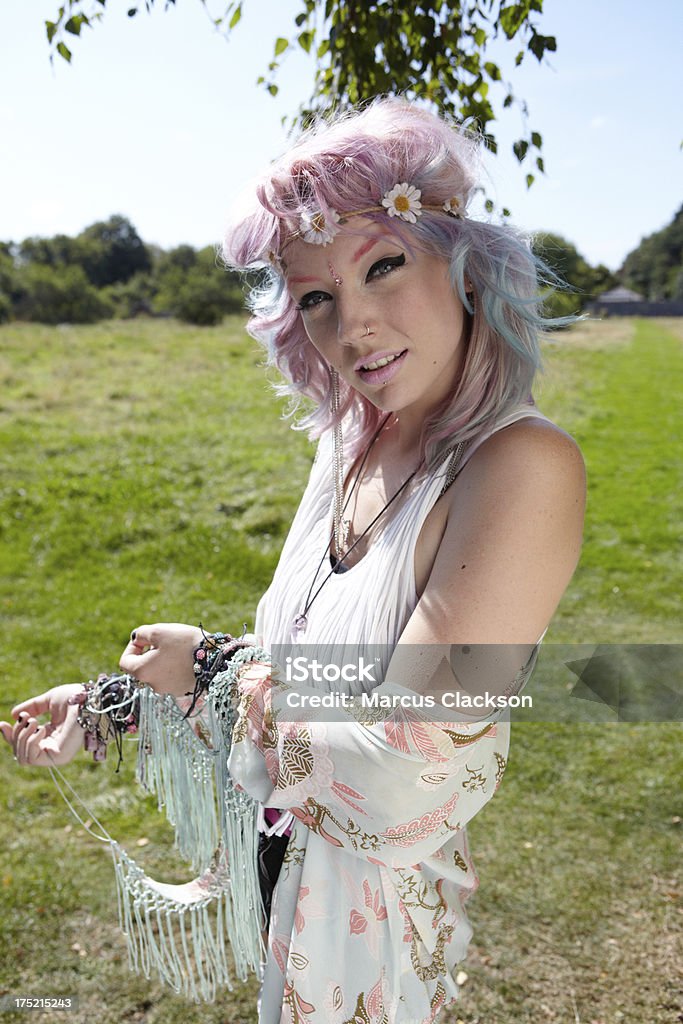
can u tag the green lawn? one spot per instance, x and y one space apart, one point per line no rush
147 474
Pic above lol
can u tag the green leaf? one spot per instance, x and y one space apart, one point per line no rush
519 58
507 102
539 44
237 14
300 19
273 89
492 70
536 140
281 45
73 25
540 164
306 40
512 18
489 205
132 11
520 148
64 51
50 28
505 211
529 180
323 48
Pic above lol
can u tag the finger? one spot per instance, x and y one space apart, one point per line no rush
6 729
36 752
136 664
23 733
39 705
142 638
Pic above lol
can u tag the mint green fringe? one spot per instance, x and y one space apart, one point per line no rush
176 765
186 943
183 943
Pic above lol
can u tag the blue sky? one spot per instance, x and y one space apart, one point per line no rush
160 119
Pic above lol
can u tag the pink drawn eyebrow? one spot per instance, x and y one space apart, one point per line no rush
365 247
302 280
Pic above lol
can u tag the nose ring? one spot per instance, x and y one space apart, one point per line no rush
368 332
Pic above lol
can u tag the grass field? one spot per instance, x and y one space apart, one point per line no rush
146 474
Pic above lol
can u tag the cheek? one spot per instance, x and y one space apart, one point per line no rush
320 341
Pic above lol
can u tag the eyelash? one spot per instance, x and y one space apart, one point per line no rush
382 268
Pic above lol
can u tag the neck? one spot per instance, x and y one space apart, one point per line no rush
404 431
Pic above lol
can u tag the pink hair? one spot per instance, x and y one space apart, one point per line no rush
348 165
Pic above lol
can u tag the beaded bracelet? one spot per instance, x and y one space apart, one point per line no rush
211 657
108 708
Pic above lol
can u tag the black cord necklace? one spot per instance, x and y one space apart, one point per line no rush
301 621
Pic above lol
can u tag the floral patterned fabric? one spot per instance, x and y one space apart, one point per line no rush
368 922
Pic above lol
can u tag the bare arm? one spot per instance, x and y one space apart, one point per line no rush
510 546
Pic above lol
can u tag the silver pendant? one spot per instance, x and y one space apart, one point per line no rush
299 628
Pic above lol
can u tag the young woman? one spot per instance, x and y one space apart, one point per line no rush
443 510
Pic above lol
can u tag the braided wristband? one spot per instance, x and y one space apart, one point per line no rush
209 658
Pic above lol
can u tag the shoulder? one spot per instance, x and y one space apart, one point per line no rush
531 457
511 541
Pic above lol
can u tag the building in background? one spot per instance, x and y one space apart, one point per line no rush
622 301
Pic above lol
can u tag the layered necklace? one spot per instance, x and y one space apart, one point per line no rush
341 528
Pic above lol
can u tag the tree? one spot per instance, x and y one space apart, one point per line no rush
194 288
584 282
55 295
655 267
435 51
7 282
59 251
112 251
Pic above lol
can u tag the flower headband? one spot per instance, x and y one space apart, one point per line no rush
402 201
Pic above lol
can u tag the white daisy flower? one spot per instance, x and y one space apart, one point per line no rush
318 228
454 206
403 201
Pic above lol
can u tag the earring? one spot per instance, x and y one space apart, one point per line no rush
337 465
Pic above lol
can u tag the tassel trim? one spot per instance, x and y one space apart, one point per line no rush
176 764
184 943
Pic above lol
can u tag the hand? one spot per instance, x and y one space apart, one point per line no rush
161 656
55 742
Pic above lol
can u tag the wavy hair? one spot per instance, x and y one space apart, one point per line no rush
347 165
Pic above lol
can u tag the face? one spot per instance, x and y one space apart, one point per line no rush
368 279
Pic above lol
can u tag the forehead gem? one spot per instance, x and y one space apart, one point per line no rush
335 276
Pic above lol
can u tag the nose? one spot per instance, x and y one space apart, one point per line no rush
352 321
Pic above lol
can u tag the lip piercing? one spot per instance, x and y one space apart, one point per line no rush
368 332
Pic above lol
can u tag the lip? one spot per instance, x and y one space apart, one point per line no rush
372 357
384 373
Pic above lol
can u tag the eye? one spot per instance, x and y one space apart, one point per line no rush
385 266
310 300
